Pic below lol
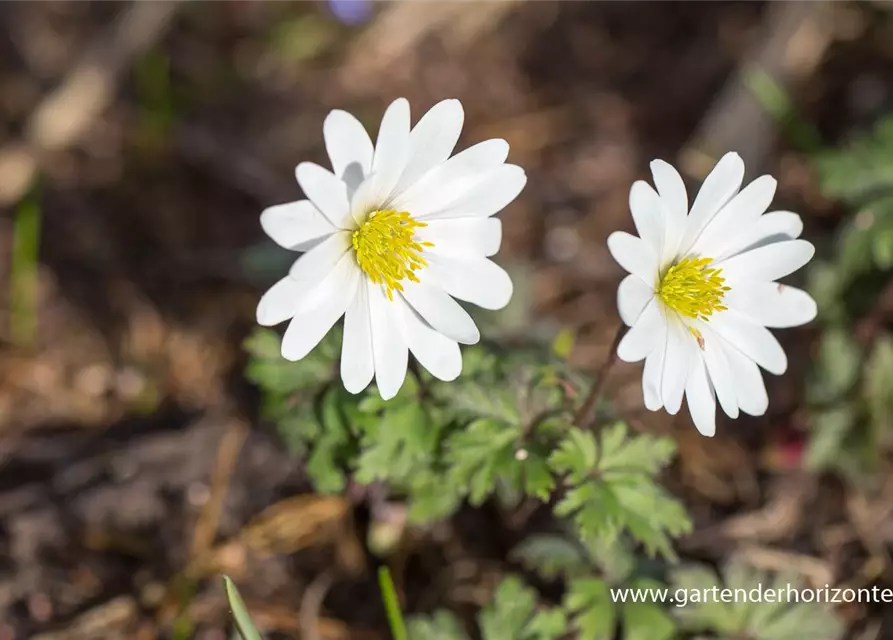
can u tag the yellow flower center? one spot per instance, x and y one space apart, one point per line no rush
692 289
386 249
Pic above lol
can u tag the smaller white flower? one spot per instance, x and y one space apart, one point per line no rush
393 236
702 292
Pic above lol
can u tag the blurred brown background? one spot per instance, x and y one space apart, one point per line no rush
152 134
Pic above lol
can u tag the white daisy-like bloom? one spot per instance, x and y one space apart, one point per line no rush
702 292
393 236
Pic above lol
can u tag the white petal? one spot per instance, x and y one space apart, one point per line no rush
278 304
749 385
647 211
392 150
442 312
492 193
471 279
652 375
433 139
676 364
770 304
313 266
321 309
463 236
643 337
742 212
753 340
452 179
349 147
327 192
700 398
775 226
767 263
718 188
389 347
434 351
632 296
718 369
357 363
634 255
296 225
672 192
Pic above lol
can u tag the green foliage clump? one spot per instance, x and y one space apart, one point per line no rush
596 573
850 390
503 430
512 615
757 617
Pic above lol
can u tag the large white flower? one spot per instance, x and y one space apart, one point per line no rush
392 235
702 290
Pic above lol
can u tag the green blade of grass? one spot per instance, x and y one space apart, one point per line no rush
775 100
243 622
23 279
391 604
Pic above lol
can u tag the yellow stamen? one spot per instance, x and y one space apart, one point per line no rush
692 289
387 250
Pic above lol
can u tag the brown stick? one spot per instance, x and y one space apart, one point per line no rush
582 416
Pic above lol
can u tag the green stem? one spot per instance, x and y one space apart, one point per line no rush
391 604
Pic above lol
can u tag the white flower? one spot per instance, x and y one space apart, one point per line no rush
702 290
391 237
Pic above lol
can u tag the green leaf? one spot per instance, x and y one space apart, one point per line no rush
736 604
396 444
837 367
594 616
274 374
443 625
829 431
563 344
242 620
548 625
879 379
431 497
646 620
614 490
507 617
486 453
551 556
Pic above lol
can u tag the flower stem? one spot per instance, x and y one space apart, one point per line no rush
391 604
589 403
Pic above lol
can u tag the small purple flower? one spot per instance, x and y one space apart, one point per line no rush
351 12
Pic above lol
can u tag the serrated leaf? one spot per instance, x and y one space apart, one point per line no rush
483 401
551 556
593 611
614 490
484 453
577 455
507 616
396 444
